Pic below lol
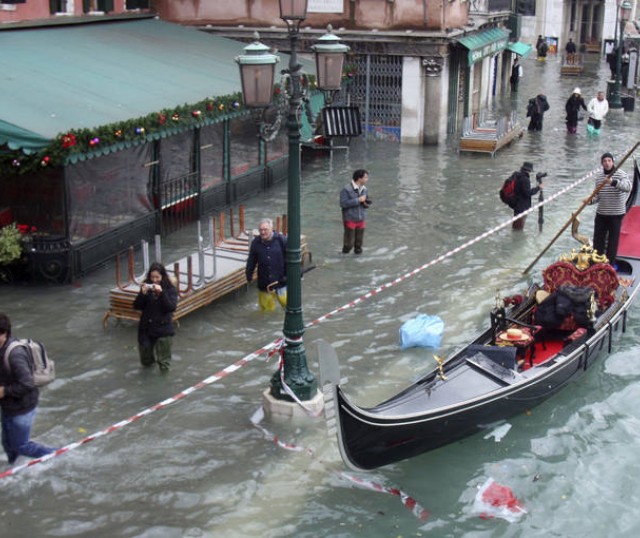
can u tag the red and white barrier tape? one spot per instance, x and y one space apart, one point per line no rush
408 501
273 347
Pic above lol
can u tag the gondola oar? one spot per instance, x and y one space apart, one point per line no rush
584 204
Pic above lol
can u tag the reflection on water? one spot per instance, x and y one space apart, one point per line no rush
199 468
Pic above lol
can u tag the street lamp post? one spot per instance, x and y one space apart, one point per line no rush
623 12
329 59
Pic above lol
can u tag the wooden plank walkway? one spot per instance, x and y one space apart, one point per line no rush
202 277
488 136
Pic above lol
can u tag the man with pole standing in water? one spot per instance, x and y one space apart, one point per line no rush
611 200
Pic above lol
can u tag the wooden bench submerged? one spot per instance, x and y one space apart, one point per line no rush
488 136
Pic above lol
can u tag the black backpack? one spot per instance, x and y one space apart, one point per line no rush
508 190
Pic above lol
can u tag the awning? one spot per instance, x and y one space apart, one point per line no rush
82 76
520 48
485 43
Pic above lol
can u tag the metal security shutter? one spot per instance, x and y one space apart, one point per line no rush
376 88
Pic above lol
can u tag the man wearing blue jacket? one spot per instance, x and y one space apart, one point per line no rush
268 253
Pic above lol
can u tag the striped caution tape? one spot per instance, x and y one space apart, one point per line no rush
268 350
408 501
273 347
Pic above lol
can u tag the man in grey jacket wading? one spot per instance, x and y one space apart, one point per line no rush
354 201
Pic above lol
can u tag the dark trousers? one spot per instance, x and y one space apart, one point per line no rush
519 224
352 239
606 235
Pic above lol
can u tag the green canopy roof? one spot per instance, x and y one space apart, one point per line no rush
59 78
485 43
520 48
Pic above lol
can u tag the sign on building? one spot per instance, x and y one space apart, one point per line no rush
325 6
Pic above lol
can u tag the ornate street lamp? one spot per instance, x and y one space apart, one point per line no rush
295 375
624 12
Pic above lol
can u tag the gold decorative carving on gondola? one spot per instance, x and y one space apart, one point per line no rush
584 258
440 362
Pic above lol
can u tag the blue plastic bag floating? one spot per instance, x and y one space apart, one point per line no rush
421 331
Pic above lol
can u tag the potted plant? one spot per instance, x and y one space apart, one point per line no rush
12 239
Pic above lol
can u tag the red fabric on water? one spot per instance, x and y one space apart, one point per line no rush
498 495
630 234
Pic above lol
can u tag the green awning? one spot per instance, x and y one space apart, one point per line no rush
520 48
83 76
485 43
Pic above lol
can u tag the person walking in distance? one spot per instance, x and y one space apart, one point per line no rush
268 252
354 201
611 208
516 75
158 300
572 108
570 50
523 193
18 399
536 108
598 108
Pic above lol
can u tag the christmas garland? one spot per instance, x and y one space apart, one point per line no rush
84 143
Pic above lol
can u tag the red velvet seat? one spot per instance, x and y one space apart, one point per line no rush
600 277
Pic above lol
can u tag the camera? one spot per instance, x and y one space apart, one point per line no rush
540 175
367 202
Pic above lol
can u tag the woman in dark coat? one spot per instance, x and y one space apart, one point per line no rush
572 107
158 299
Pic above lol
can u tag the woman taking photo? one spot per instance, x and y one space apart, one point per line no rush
157 299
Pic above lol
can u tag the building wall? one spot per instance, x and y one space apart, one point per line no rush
35 10
351 14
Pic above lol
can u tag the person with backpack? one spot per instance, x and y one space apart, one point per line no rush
542 48
158 300
18 399
536 108
268 252
517 193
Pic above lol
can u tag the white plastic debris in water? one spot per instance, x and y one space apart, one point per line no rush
499 432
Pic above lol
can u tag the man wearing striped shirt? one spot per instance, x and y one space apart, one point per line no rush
611 207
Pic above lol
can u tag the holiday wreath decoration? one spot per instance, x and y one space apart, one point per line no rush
132 131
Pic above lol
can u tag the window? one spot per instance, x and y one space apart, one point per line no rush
91 6
527 7
60 6
137 4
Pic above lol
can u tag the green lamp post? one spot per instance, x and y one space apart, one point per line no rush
295 372
623 11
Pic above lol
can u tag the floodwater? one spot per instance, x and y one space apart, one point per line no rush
198 467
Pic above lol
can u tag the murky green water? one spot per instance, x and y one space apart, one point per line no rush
199 468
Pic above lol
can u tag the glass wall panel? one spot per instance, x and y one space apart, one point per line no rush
244 153
211 155
108 191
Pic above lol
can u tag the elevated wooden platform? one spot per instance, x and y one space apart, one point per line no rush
572 65
203 277
488 136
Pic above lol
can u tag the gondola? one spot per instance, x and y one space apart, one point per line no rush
515 364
